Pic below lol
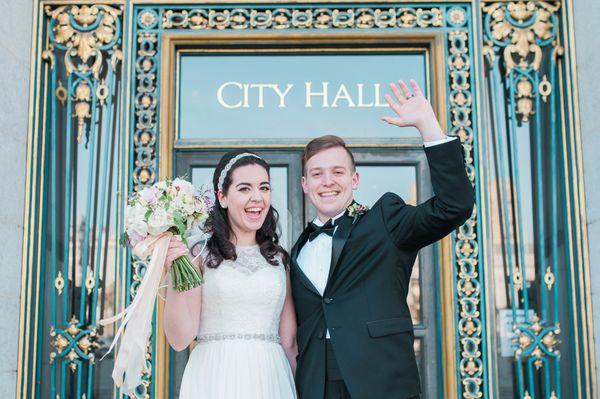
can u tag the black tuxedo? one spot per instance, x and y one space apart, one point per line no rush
364 304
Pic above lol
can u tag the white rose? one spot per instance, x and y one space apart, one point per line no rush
135 219
140 228
184 186
159 222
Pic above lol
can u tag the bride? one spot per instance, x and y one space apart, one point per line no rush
242 316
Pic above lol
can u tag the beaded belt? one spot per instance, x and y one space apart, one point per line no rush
255 337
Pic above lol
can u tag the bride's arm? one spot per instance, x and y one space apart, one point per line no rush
182 309
287 326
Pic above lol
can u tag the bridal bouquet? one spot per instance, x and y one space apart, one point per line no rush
168 206
152 217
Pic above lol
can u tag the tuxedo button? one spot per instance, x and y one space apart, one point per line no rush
321 335
327 300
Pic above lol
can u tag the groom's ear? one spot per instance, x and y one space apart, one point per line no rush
355 180
304 186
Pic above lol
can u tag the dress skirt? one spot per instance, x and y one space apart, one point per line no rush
238 369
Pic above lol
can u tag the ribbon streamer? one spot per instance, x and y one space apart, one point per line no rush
127 371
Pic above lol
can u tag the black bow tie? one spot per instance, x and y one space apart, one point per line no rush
327 228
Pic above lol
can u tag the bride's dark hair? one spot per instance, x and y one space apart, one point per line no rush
219 245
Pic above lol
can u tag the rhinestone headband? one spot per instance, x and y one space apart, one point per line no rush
230 164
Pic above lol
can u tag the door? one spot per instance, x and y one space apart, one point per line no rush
271 97
403 171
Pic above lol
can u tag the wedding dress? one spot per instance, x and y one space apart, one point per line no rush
239 355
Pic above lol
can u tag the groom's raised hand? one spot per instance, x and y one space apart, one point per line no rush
413 109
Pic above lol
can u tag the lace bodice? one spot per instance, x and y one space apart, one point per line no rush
242 298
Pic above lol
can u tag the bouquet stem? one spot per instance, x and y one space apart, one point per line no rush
184 275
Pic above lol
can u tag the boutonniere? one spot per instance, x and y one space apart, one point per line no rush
356 210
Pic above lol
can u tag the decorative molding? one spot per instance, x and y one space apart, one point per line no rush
73 343
518 31
466 246
302 18
87 35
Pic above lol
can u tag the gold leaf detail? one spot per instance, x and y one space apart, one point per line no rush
549 278
59 283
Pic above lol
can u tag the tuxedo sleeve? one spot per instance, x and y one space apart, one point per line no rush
417 226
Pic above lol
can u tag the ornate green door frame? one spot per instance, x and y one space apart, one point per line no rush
532 134
309 24
96 82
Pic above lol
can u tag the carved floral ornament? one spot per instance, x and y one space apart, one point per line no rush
537 341
73 343
87 35
84 31
319 18
519 30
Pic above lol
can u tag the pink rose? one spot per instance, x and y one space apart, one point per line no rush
151 194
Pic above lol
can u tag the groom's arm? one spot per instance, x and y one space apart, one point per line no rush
417 226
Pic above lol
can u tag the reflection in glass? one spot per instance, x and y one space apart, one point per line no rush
419 351
376 180
414 294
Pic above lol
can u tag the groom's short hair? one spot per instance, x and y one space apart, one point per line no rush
323 143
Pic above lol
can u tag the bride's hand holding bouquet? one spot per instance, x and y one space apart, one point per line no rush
157 220
166 207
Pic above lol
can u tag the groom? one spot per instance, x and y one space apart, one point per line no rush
351 266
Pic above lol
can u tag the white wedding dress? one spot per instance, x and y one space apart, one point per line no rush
238 355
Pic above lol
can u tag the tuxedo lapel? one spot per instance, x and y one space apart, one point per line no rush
294 260
340 237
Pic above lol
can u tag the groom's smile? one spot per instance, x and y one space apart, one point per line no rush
329 195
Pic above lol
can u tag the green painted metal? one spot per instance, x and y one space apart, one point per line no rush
80 203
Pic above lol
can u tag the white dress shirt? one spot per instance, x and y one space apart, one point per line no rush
437 142
314 258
